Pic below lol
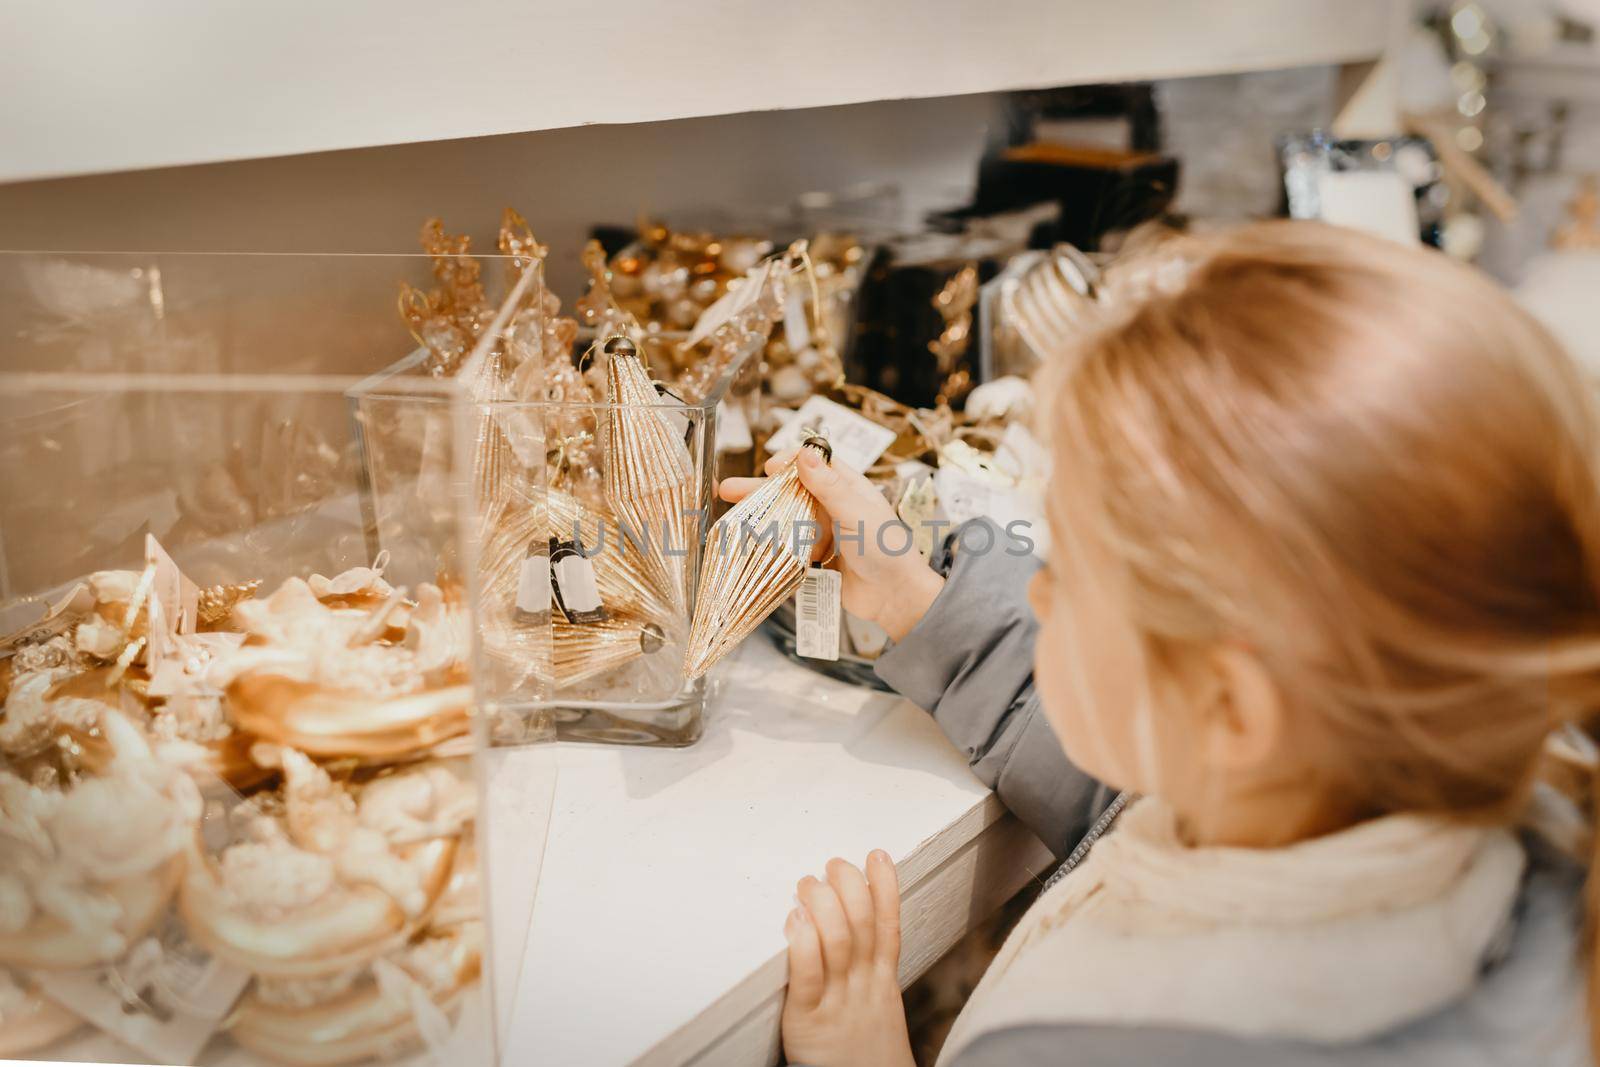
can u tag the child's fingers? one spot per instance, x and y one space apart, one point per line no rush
884 885
827 915
852 891
844 493
734 490
805 960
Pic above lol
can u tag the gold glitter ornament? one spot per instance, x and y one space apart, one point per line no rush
754 560
216 601
648 474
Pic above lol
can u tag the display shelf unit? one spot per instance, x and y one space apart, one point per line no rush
112 86
657 938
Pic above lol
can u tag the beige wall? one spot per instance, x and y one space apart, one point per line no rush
374 200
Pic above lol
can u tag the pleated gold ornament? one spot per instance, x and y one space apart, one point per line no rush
626 589
583 651
648 473
754 560
621 572
624 583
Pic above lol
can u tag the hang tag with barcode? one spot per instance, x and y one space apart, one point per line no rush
817 613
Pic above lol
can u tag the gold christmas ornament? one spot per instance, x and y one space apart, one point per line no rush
648 473
217 601
621 571
583 651
754 560
626 586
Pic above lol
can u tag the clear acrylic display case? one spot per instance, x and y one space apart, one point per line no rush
539 472
245 813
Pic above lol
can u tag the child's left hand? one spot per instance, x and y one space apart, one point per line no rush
844 1004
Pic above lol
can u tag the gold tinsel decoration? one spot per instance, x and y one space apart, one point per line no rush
648 473
753 561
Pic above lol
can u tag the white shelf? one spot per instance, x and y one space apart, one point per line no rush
105 85
657 936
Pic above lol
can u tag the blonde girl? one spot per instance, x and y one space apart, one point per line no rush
1323 603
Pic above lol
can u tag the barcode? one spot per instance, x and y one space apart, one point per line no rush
806 603
816 608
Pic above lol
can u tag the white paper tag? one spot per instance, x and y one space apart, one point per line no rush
166 997
533 585
964 497
918 507
1018 511
856 439
816 615
573 582
796 330
1379 202
733 428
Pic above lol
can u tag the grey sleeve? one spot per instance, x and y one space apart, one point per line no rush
970 662
1049 1045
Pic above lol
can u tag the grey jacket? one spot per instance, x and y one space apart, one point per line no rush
970 662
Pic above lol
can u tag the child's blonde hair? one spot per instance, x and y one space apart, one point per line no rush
1407 461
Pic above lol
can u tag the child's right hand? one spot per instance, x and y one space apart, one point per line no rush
892 590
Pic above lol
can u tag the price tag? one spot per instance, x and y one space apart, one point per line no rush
816 615
917 507
733 428
856 439
796 330
533 586
572 581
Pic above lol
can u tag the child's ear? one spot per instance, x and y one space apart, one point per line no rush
1243 709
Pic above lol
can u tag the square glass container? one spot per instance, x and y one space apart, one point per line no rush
607 671
243 776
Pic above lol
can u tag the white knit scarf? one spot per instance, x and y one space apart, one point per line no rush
1331 940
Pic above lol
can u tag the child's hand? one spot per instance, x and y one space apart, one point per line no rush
844 1002
885 581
